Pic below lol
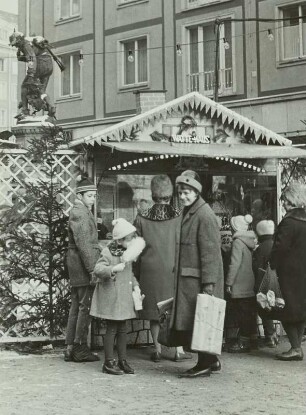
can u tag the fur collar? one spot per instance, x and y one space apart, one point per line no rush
160 212
297 214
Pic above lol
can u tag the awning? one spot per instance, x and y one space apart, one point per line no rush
235 151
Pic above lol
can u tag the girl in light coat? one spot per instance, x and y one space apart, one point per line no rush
240 284
112 298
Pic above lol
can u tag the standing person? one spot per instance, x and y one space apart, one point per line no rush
83 253
200 268
157 225
261 256
288 258
112 299
240 284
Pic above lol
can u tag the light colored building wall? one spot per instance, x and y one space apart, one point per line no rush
8 73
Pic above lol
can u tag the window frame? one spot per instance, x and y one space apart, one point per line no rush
3 85
200 3
4 124
222 91
301 58
136 84
59 18
71 53
4 64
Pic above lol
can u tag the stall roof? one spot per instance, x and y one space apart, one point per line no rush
194 102
237 151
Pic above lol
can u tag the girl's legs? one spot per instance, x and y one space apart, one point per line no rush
109 338
121 340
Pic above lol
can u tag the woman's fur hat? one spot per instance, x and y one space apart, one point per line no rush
161 186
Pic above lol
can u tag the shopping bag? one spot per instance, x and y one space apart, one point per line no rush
166 335
269 295
208 324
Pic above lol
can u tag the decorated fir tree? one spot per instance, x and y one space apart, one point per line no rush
33 278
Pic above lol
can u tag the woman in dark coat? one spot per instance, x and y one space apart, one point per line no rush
200 268
288 257
157 225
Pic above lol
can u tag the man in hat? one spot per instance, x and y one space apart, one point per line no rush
83 253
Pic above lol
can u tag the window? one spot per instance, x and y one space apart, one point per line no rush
69 8
293 32
135 62
3 90
2 65
71 76
202 59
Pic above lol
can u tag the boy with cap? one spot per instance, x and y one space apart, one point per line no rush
83 253
265 231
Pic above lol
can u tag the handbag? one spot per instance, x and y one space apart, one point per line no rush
208 326
167 335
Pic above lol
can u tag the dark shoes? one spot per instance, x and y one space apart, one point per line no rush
291 355
155 357
123 365
81 353
111 367
238 348
196 372
179 357
68 356
216 367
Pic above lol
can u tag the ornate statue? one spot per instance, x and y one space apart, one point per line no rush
36 52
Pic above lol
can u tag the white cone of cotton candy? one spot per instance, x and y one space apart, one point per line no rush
134 249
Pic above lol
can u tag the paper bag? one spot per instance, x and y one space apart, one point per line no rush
208 324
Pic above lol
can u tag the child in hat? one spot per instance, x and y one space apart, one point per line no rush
240 284
83 253
265 231
113 295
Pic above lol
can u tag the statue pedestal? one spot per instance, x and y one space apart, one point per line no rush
31 128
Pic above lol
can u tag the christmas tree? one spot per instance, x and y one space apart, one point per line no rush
33 278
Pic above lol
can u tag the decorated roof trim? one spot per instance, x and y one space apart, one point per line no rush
196 102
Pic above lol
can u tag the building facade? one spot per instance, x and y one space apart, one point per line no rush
8 72
130 45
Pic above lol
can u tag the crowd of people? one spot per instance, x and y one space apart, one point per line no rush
181 259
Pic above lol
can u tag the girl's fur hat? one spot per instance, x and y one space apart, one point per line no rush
161 186
122 228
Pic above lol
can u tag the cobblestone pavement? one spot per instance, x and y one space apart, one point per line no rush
248 384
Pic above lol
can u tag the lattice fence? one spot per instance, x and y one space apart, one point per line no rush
16 169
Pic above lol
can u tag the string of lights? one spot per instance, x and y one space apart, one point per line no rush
179 46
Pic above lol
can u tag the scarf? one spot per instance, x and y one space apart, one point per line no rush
115 249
